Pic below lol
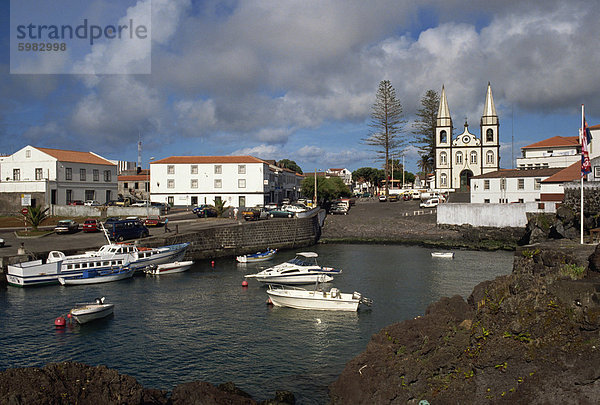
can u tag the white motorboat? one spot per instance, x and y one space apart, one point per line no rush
257 257
302 269
299 298
88 312
168 268
91 276
443 255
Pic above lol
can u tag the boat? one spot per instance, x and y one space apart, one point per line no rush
108 257
92 276
88 312
168 268
257 257
444 255
302 269
300 298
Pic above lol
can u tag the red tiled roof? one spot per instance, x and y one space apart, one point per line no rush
554 142
75 156
209 159
594 127
517 173
570 173
133 177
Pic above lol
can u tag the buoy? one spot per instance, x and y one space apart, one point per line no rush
269 302
60 322
244 283
212 263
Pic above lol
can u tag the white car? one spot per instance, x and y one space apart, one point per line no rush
1 242
432 202
295 208
91 203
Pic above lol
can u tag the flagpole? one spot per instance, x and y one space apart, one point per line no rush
582 139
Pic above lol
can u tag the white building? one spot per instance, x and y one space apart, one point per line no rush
55 176
344 174
240 181
459 159
558 151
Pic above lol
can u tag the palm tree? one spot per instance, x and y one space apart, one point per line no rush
220 207
35 216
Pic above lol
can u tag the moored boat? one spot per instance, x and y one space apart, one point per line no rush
443 255
88 312
303 269
257 257
168 268
97 277
300 298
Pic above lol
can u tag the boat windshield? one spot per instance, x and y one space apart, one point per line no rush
303 262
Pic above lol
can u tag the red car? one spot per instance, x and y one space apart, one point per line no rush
76 202
153 220
91 225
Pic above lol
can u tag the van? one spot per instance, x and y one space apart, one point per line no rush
126 229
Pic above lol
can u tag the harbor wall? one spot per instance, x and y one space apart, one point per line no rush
490 215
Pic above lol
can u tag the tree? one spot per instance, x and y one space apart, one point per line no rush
328 188
424 130
387 125
289 164
35 216
220 207
368 175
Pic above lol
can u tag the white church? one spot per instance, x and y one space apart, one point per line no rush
460 158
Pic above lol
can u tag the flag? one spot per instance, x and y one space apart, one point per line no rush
586 139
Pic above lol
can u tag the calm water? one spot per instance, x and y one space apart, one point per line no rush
202 325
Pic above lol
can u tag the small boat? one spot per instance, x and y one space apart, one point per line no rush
257 257
88 312
167 268
444 255
300 298
96 277
303 269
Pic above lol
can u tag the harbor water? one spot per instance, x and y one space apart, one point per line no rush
203 325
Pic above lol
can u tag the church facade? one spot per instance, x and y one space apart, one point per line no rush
459 158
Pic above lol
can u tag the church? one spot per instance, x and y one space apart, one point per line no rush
458 159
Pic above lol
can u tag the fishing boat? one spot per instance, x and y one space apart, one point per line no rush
302 269
92 276
257 257
317 299
443 255
88 312
168 268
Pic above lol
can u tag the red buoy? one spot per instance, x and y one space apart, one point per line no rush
269 302
212 263
244 283
60 322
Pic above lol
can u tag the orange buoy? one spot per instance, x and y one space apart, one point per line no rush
60 322
244 283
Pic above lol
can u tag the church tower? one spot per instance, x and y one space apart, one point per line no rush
443 144
490 142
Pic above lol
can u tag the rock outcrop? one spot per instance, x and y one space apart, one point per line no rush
529 337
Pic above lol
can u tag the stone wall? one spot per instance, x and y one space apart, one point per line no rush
591 197
490 215
10 203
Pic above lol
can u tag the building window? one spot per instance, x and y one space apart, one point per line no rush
194 169
170 169
125 185
27 153
486 201
136 185
443 137
90 195
170 183
218 169
194 183
489 157
241 183
107 175
241 169
81 174
489 135
68 173
242 201
96 173
486 184
503 184
459 158
16 174
39 174
443 179
443 158
521 184
69 196
218 183
537 184
473 159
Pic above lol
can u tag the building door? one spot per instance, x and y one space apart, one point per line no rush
465 180
194 200
52 196
242 201
171 200
108 196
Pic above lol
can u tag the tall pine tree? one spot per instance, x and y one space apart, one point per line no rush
424 130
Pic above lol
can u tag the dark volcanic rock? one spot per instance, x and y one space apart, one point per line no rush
529 337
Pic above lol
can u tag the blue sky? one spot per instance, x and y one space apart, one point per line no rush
297 79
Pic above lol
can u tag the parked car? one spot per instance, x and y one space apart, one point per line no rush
199 208
432 202
393 198
91 203
112 219
285 201
76 202
207 212
338 209
91 225
280 214
382 198
1 242
126 229
254 214
66 226
153 220
144 203
295 208
271 206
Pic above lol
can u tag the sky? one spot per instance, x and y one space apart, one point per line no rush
297 79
